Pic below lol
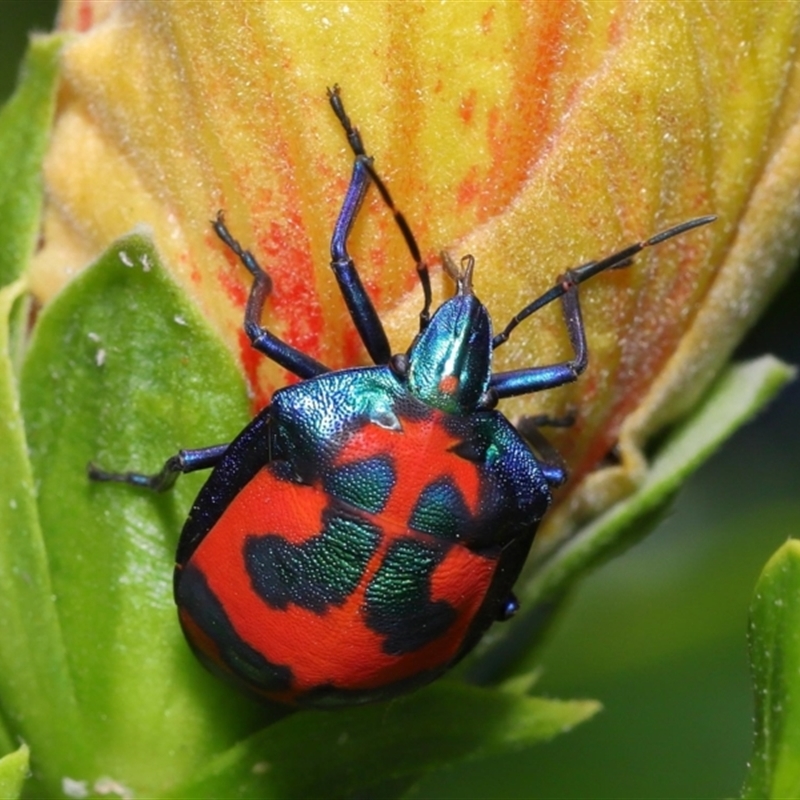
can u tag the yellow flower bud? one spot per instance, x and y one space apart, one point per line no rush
535 136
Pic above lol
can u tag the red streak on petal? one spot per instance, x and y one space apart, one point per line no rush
518 131
352 349
487 20
294 299
616 28
466 108
85 17
377 256
469 188
234 290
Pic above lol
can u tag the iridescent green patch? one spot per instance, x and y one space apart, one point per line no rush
398 601
364 484
320 572
440 510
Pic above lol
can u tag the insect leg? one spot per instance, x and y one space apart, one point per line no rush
359 304
535 379
357 146
550 460
546 421
261 339
508 609
184 461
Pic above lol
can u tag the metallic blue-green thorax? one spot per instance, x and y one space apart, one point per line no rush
450 361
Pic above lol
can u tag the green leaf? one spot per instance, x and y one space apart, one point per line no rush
333 755
737 395
13 771
34 675
774 638
25 123
123 372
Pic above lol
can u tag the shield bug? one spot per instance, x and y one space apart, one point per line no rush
365 529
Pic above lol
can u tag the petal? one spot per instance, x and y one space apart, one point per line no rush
535 136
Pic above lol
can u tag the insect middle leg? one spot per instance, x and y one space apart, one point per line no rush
263 340
552 464
358 302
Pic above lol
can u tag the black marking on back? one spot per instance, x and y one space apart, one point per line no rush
331 696
320 572
195 597
470 449
398 603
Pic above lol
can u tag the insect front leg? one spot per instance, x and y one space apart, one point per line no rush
359 304
357 146
536 379
182 462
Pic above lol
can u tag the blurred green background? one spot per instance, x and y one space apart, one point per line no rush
657 635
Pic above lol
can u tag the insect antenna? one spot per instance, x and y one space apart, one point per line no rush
573 277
